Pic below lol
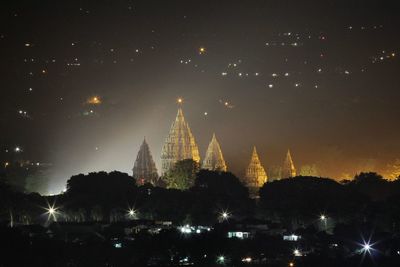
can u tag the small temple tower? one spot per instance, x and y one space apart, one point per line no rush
179 144
144 169
255 174
288 169
214 160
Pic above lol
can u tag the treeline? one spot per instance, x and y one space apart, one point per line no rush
294 202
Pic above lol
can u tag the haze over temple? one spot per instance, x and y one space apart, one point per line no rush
144 169
179 144
214 160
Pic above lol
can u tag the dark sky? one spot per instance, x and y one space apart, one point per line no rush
318 77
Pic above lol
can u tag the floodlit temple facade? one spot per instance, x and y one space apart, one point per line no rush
288 169
179 144
214 160
255 176
144 169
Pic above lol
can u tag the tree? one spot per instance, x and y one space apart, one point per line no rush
372 184
182 175
299 201
100 191
214 192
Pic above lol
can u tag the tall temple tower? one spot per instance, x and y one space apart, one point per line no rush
144 169
214 160
179 144
255 174
288 169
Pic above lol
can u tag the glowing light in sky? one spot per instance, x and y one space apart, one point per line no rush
95 100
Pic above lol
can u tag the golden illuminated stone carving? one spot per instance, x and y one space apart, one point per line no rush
255 173
179 144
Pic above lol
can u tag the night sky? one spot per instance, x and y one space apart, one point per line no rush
319 77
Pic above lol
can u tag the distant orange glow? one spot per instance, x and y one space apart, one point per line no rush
95 100
202 50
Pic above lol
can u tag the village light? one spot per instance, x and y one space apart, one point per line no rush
224 216
221 259
366 247
52 212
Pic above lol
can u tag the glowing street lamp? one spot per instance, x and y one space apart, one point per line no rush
52 212
132 213
224 216
322 217
297 253
221 259
367 247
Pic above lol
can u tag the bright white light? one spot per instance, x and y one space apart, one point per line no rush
247 260
297 253
224 216
322 217
221 259
367 247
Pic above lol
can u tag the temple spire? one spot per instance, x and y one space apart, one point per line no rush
255 174
179 144
288 169
144 169
214 160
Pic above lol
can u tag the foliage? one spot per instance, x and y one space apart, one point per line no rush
182 175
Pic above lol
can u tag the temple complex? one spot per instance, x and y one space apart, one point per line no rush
214 160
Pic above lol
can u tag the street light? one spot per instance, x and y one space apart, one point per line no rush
221 259
224 216
52 212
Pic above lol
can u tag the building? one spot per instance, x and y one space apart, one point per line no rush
144 169
288 169
179 144
255 174
214 160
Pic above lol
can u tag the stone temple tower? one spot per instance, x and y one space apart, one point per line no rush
144 169
255 174
214 160
288 169
179 144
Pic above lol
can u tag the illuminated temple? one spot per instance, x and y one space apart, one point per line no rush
288 170
255 174
179 144
214 160
144 169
